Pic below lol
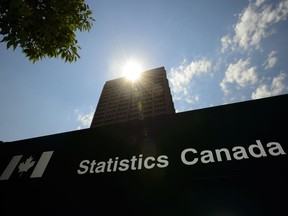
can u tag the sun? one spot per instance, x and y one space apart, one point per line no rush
132 70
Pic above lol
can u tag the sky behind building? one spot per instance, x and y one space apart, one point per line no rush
214 52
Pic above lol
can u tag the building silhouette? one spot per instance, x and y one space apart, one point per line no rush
123 100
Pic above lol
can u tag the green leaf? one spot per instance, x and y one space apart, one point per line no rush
9 44
54 36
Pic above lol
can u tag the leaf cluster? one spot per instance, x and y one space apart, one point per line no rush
44 28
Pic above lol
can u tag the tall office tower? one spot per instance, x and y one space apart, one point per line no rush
122 100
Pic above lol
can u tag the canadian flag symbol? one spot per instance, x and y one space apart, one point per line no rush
25 166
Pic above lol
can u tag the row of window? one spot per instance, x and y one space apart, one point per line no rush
133 111
159 101
108 96
125 102
111 118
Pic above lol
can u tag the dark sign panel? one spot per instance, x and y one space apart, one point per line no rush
226 160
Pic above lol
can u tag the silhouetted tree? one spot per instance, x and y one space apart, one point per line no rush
44 28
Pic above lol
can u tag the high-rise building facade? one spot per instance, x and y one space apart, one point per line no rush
122 100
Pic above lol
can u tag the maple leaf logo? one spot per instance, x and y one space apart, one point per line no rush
24 167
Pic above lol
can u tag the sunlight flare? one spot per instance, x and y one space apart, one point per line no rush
132 70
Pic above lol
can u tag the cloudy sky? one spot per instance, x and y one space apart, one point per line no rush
214 52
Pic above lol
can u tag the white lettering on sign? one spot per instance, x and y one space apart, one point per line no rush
113 165
191 156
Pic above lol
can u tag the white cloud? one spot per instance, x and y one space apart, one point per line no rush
254 25
239 73
226 42
84 119
271 61
181 76
277 87
258 3
192 99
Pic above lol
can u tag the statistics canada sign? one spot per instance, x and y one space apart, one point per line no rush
226 160
189 156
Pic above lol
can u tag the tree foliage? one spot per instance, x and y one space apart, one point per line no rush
44 28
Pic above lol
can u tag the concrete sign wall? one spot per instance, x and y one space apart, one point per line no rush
226 160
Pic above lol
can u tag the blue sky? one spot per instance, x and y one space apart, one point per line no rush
214 52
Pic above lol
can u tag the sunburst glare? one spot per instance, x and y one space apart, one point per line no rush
132 70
